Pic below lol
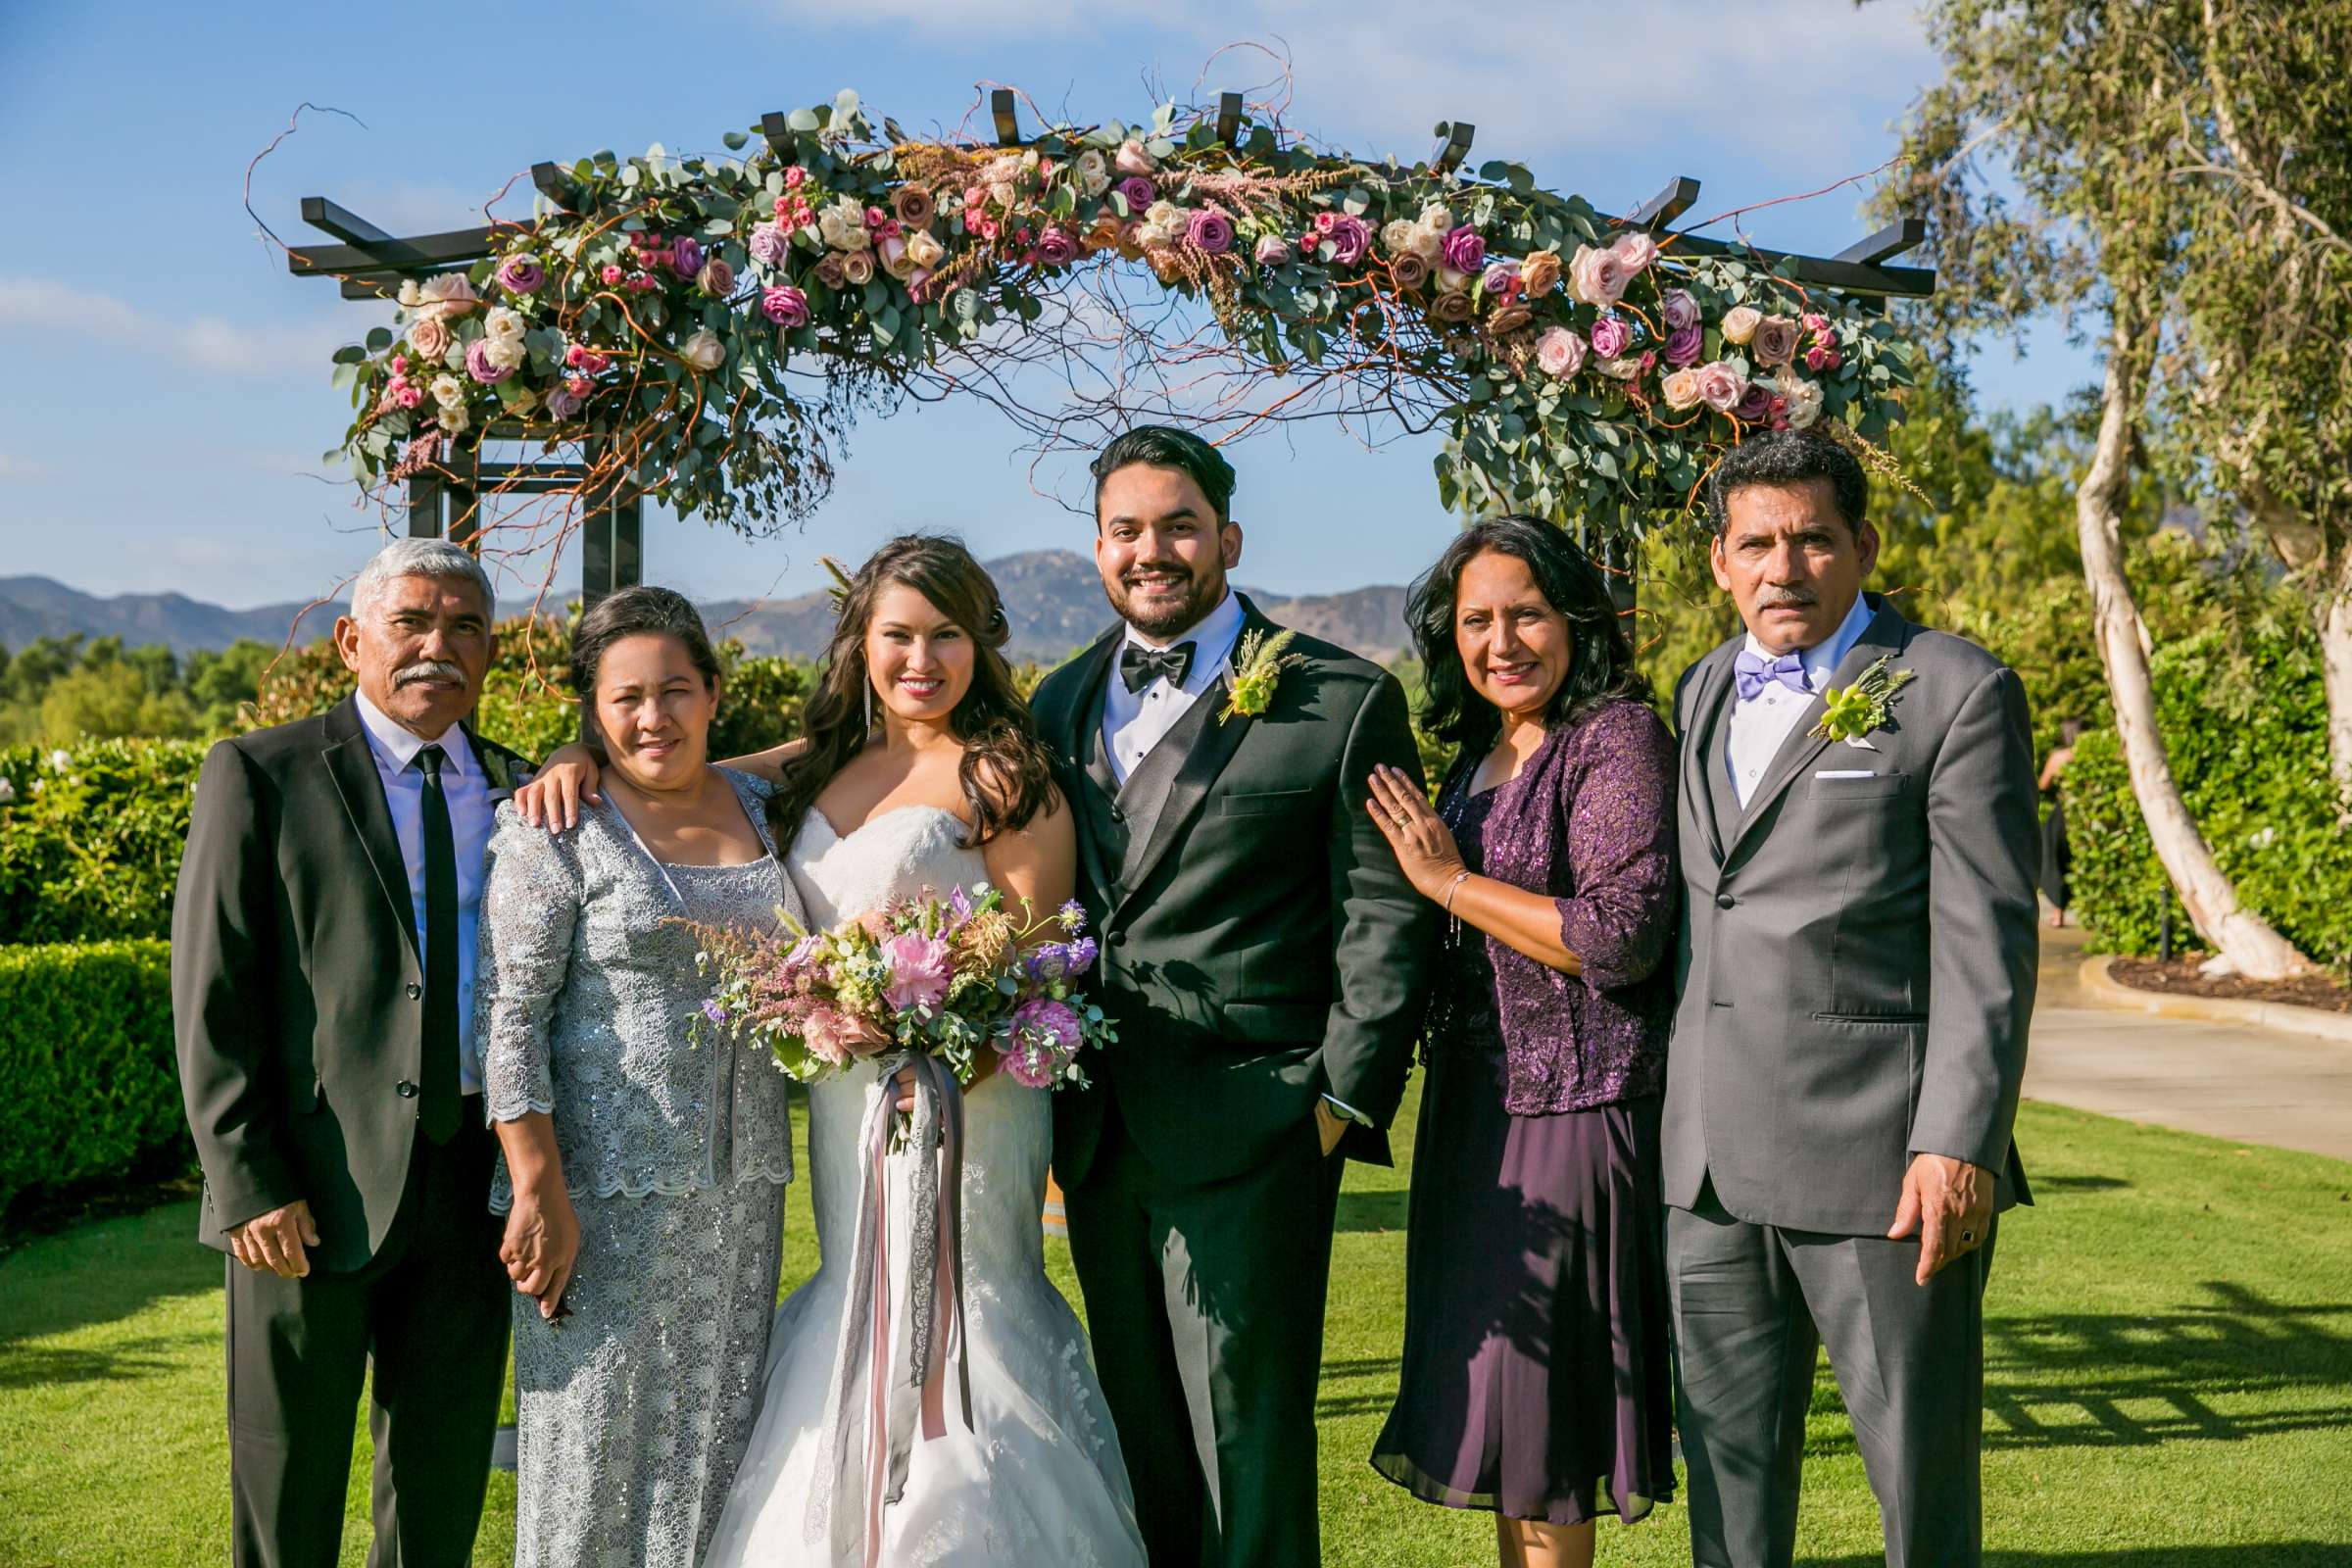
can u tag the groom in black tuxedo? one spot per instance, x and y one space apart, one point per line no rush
1263 957
322 961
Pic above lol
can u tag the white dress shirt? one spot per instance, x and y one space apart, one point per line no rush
1133 722
1763 722
472 820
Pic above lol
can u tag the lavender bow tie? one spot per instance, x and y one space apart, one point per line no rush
1752 675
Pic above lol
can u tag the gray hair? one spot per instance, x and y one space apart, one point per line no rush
419 557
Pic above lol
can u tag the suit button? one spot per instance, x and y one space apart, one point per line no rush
405 1090
1117 815
1724 900
1118 939
414 991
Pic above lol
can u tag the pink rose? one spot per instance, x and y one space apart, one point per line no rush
429 338
1611 336
1272 250
1680 308
795 178
1720 388
1597 278
1635 251
787 307
826 1034
408 396
1134 159
1817 358
767 244
1056 246
1560 353
612 275
1815 321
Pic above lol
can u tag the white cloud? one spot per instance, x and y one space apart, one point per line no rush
35 306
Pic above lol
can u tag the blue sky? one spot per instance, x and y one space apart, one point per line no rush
168 396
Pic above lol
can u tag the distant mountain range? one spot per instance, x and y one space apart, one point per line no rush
1052 597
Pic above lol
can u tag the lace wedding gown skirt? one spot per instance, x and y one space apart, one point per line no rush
1038 1477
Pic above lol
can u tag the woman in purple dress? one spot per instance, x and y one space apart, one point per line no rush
1536 1379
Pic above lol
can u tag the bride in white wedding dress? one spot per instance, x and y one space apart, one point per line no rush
917 745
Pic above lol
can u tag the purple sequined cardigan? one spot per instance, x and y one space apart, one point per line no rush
1590 821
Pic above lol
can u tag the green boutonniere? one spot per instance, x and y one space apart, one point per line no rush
1853 711
1257 666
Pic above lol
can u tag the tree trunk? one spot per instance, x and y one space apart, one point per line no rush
2243 938
2333 614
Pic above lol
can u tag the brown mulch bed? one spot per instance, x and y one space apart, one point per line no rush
2320 991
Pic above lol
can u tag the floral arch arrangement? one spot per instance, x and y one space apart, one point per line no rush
701 327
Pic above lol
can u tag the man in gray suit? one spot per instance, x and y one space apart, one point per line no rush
1856 972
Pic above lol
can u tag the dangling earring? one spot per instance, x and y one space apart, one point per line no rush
869 703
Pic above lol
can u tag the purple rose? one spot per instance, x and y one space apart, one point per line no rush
767 244
1754 403
565 404
1465 249
686 257
1139 191
479 365
1685 344
1347 240
1680 308
1210 231
1056 246
786 306
1611 338
521 275
1501 277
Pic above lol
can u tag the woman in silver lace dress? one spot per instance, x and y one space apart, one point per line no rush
643 1177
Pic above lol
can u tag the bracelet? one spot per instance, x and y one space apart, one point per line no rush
1459 877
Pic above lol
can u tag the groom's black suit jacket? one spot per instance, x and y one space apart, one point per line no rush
297 984
1260 945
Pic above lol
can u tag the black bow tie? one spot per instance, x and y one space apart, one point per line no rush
1140 667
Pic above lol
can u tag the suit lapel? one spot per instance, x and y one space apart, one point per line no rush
1078 730
1707 708
351 763
1883 635
1215 742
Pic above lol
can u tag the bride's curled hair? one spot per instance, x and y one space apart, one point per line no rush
1008 775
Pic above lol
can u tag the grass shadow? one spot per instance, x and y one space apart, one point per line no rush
1372 1211
97 1274
2267 1554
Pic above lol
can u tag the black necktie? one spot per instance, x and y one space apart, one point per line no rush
438 1095
1140 667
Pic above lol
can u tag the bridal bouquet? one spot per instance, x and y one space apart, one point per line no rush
939 977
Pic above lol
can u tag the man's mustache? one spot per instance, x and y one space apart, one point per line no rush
1153 569
427 670
1782 599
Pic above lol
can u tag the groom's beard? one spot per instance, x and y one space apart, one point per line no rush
1164 616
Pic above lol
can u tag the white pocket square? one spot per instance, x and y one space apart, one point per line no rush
1845 774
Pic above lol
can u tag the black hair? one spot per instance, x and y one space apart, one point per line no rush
1161 446
1601 665
1789 457
641 611
1007 773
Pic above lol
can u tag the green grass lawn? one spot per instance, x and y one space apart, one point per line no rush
2169 1380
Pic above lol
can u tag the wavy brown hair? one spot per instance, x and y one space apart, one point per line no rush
1007 773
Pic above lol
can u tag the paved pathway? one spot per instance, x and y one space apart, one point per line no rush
2255 1085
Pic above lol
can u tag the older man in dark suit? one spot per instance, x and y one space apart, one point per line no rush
322 955
1857 971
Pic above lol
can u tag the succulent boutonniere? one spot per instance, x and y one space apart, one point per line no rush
1257 664
1853 711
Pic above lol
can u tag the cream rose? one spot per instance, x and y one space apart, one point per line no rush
453 417
1801 397
1436 218
1740 322
1624 367
857 268
449 391
1396 238
410 296
501 325
1597 278
1680 389
1428 243
703 350
923 250
506 353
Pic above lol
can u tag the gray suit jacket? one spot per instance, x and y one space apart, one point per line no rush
1857 957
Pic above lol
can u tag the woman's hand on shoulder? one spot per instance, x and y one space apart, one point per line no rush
770 763
552 799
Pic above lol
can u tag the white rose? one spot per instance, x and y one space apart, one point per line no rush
1803 398
505 353
449 391
832 230
1450 281
503 324
1428 243
450 295
703 350
923 250
1093 185
455 419
1437 216
1004 168
411 295
1624 367
1092 163
1396 238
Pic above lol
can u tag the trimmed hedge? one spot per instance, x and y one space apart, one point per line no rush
86 1051
90 838
2243 717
